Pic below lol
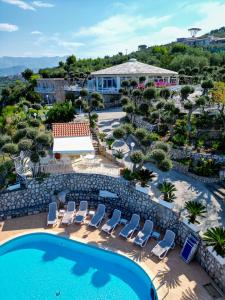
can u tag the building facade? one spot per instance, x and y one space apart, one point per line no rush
109 80
51 89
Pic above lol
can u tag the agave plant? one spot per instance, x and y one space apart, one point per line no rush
195 209
119 154
215 237
167 189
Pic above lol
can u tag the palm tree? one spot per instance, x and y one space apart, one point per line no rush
167 189
144 176
195 209
215 237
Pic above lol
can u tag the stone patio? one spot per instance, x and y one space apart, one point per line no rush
173 279
98 165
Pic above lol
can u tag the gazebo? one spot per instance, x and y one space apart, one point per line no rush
108 81
72 139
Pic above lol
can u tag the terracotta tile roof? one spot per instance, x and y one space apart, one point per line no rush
70 129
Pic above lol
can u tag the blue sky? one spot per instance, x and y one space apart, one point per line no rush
92 28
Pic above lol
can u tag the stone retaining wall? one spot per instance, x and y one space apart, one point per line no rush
182 153
139 121
86 187
184 169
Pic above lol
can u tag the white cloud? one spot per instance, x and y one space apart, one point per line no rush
120 24
55 45
213 16
127 30
42 4
36 32
8 27
21 4
29 6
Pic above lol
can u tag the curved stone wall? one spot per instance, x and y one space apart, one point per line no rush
37 196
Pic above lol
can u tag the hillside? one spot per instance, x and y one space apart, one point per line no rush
217 33
15 65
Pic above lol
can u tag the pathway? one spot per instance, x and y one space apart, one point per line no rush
187 188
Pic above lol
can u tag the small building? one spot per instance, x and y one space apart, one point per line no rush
51 89
72 139
108 81
142 47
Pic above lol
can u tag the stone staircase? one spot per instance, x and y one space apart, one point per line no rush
218 190
95 142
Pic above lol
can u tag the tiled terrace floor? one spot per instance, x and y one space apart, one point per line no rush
99 165
172 278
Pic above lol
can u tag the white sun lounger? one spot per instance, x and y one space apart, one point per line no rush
98 216
144 234
164 245
111 224
69 214
52 214
82 212
129 229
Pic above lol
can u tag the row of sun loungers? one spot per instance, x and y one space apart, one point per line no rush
127 231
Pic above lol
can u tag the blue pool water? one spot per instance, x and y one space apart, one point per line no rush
42 266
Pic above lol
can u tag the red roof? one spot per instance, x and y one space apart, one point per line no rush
70 129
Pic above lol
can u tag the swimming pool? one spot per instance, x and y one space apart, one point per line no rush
43 266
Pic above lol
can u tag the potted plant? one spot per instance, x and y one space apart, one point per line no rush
144 176
215 239
195 209
167 189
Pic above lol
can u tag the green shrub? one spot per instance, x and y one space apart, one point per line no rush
119 133
141 133
157 155
20 134
127 174
109 142
165 165
163 146
179 139
21 125
34 122
4 139
10 148
25 145
128 128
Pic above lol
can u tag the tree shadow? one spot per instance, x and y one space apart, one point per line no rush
80 268
164 277
188 294
100 278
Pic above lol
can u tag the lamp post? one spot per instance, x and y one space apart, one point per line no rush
132 146
80 105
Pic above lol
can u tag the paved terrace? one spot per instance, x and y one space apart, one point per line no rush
98 165
172 278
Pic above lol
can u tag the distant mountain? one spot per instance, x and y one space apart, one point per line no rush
15 65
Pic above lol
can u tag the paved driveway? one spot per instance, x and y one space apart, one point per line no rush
191 189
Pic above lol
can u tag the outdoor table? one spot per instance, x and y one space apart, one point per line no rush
156 235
